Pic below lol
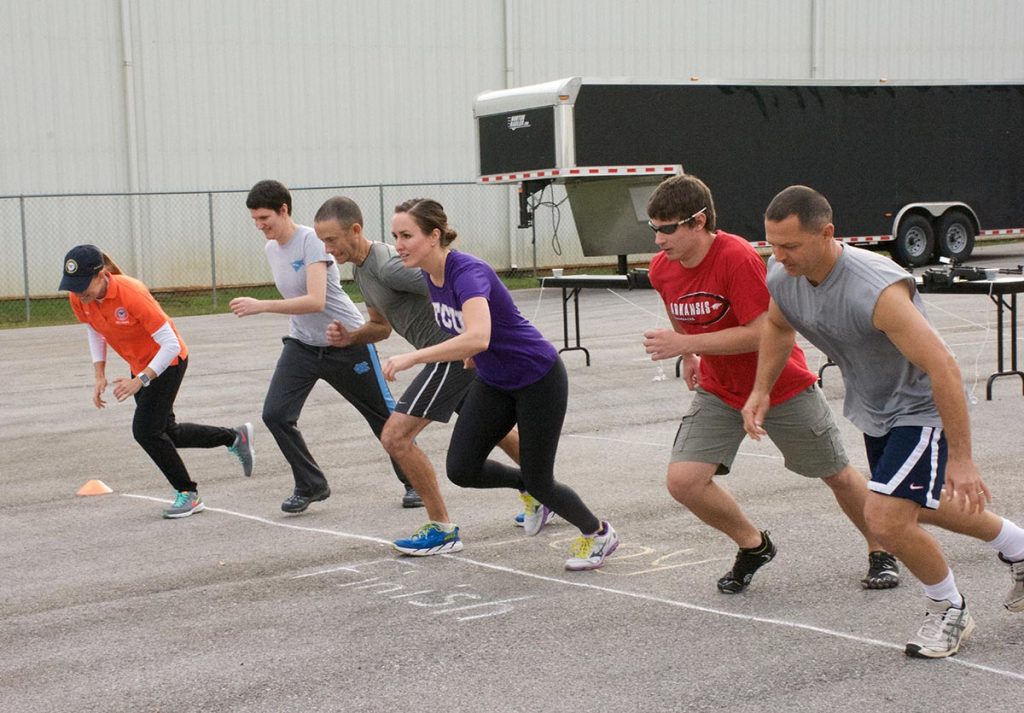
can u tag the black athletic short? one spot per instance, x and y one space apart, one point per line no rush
437 391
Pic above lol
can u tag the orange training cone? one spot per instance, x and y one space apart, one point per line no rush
94 487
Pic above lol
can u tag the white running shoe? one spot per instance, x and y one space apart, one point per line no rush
1014 600
535 514
945 628
591 552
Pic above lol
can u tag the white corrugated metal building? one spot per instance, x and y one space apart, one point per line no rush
146 96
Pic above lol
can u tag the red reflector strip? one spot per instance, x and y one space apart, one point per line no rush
581 171
1004 232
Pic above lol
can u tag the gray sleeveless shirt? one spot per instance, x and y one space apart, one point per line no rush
883 389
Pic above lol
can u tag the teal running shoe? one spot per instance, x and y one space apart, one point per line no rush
186 503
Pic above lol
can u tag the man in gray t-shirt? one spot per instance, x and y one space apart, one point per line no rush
308 280
396 297
903 389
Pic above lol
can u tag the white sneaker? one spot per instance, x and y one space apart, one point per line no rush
945 628
1014 600
591 552
517 521
535 514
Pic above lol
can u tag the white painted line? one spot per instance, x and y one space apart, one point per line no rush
345 567
275 523
597 588
731 615
482 604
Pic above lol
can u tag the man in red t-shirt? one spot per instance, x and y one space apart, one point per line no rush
713 287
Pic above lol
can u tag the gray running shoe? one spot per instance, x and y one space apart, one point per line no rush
411 499
1014 600
945 627
298 503
242 448
186 503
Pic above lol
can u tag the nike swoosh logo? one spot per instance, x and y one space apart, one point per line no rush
917 487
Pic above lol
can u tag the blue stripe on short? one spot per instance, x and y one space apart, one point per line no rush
381 383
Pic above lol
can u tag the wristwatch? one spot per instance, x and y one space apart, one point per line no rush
144 378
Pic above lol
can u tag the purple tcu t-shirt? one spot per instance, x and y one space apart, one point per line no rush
518 354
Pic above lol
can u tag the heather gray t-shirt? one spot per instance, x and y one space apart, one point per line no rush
399 293
883 389
288 264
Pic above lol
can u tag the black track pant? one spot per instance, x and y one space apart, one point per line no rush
488 414
161 436
354 372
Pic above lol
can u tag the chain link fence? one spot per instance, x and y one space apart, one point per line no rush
204 244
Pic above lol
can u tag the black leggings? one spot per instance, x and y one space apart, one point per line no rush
161 436
488 414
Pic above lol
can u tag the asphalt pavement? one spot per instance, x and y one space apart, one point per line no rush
105 606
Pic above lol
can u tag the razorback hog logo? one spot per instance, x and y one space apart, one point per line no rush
699 308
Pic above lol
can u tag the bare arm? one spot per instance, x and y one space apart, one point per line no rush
314 300
100 383
666 343
476 315
777 340
916 339
376 329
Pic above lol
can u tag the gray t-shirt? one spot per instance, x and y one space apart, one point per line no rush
883 388
288 264
399 293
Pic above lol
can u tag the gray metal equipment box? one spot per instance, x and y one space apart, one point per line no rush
538 135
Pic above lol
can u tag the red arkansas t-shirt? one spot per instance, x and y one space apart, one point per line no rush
726 290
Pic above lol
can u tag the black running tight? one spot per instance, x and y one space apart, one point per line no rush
539 410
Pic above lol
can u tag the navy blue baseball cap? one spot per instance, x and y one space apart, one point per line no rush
81 264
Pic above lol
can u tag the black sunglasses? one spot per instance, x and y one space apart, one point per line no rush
670 228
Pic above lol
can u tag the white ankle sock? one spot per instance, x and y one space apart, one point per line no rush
1010 541
946 589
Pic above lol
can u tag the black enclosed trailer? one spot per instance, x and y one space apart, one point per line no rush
920 169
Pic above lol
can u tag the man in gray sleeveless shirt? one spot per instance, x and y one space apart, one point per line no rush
396 297
903 390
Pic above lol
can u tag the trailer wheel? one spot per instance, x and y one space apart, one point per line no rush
955 236
915 242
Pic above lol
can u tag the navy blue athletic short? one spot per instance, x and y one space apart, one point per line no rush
908 462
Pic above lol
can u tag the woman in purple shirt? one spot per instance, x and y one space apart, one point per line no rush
520 380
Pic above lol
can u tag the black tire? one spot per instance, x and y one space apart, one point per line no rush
915 242
955 236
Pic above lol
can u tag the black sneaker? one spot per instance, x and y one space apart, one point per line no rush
883 571
411 499
747 562
298 503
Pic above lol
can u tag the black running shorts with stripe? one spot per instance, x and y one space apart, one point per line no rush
437 391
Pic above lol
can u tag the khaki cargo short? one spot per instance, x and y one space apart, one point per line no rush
803 428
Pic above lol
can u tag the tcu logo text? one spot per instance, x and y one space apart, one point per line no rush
449 318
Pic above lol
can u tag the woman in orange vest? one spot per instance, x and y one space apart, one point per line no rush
119 311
